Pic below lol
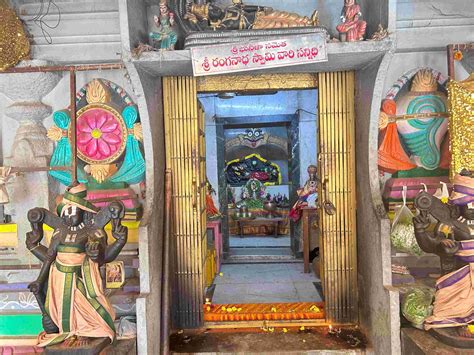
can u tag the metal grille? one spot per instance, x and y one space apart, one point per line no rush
337 166
185 156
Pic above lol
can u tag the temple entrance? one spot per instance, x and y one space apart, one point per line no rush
239 149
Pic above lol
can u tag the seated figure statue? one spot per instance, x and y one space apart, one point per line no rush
307 195
69 288
239 16
453 241
352 26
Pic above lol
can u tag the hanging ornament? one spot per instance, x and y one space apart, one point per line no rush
14 43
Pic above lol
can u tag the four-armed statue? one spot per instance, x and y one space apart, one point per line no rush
69 288
352 27
453 241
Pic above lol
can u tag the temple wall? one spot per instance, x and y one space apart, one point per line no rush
423 30
88 31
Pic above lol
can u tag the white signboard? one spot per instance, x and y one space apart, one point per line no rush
237 57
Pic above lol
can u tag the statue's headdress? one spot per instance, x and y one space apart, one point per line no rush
76 196
424 81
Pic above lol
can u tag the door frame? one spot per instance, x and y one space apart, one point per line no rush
336 114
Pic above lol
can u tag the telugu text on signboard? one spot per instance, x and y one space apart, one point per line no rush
235 57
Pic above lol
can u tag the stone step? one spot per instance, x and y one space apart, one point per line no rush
274 340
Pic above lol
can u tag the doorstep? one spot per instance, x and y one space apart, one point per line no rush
264 341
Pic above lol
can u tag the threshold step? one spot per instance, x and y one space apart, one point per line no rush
270 341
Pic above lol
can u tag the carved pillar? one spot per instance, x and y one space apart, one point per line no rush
31 147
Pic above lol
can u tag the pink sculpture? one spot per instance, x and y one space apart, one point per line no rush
100 134
352 27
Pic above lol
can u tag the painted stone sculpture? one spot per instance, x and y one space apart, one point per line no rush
253 166
307 196
239 16
211 209
422 137
69 288
165 38
453 241
109 150
252 195
351 28
408 142
108 136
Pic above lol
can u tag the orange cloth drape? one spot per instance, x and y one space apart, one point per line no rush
210 206
392 157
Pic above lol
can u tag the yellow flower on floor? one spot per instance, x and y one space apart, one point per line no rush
273 309
315 308
208 308
285 330
302 327
221 274
271 329
223 308
239 309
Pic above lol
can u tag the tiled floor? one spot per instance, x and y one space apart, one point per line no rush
258 241
265 283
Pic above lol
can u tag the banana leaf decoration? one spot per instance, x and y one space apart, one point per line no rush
132 170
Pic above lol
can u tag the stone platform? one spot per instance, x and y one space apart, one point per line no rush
272 341
419 342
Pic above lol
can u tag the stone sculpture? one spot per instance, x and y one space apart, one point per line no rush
453 241
69 288
351 28
239 16
165 38
307 196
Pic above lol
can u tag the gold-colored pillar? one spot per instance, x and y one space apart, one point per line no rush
185 156
337 167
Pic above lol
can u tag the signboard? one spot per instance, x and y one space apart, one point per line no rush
243 56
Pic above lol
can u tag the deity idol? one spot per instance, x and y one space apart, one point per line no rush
453 241
352 26
166 36
69 288
307 196
239 16
423 137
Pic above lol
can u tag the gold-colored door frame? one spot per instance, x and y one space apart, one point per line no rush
185 156
337 169
184 135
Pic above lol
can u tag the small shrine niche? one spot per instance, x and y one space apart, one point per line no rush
184 24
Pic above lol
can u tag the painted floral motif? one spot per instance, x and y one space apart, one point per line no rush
99 134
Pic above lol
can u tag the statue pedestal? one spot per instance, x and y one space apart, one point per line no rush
451 337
